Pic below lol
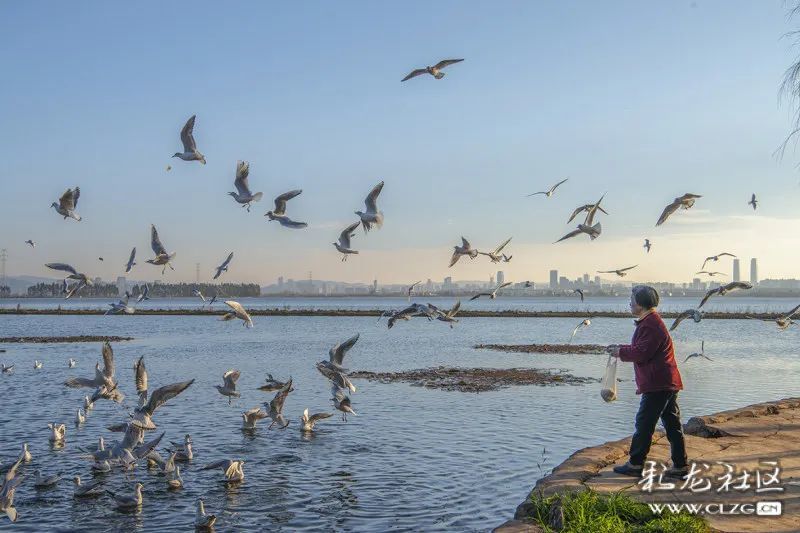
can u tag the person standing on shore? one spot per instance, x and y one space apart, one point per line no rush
657 380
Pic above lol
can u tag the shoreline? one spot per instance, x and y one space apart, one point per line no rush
741 437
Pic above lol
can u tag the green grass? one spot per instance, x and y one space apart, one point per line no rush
614 513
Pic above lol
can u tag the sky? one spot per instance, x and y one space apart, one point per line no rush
640 101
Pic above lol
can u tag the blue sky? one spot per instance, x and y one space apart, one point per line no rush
642 101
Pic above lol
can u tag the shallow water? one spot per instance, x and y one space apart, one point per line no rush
413 458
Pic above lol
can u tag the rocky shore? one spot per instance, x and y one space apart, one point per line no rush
52 340
545 348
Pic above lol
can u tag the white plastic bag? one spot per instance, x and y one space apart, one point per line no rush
609 383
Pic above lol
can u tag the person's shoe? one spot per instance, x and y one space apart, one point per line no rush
676 472
629 470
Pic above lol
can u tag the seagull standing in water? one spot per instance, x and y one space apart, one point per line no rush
190 152
435 70
131 261
224 266
753 201
493 294
344 241
682 202
162 256
128 501
464 249
307 422
279 213
372 217
237 311
67 203
228 387
621 272
233 469
702 353
694 314
243 194
203 521
549 192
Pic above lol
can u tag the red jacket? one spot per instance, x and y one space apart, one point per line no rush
653 356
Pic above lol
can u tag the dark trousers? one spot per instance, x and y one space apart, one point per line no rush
652 406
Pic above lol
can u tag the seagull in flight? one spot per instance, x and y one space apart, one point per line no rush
725 289
344 241
710 273
435 70
584 209
83 279
144 296
199 294
67 203
464 249
715 258
228 387
496 256
31 243
694 314
237 311
190 152
588 227
548 193
578 291
621 272
121 306
701 353
243 194
410 289
682 202
279 213
307 422
493 294
753 201
224 266
162 256
585 323
372 217
647 245
131 261
784 321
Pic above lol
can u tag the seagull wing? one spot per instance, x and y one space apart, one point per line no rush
680 318
108 360
791 313
671 208
344 237
187 137
241 183
371 200
280 201
708 295
627 268
316 417
554 187
140 375
570 235
131 258
447 62
500 248
230 378
414 73
69 199
592 210
163 394
337 353
578 210
155 242
63 267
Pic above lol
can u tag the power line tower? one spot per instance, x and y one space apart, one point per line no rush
3 258
197 272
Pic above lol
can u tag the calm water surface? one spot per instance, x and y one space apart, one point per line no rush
413 458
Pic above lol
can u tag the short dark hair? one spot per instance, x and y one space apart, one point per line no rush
646 296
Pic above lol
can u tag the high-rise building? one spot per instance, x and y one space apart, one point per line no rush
554 279
753 271
736 274
491 281
597 280
448 282
501 277
122 285
586 279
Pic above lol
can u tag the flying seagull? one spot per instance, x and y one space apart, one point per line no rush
243 194
144 295
464 249
647 245
251 417
162 256
588 227
272 384
714 258
410 289
702 353
224 266
548 193
131 261
72 273
228 387
104 376
190 152
585 323
584 209
140 377
199 294
725 289
621 272
279 213
372 217
341 401
307 422
344 241
694 314
7 490
121 306
449 316
142 416
275 406
31 243
682 202
493 294
784 321
237 311
435 70
710 273
67 203
496 255
753 201
578 291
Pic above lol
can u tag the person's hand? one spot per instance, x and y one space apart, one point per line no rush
613 350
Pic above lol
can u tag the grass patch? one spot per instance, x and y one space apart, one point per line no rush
613 513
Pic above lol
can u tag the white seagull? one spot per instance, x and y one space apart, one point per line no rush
279 213
203 521
243 194
224 266
435 70
464 249
237 311
493 294
372 217
67 203
228 387
548 193
162 256
190 152
496 256
621 272
131 261
343 246
307 422
682 202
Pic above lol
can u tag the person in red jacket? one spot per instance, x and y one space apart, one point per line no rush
657 380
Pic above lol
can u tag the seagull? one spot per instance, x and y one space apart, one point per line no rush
251 416
753 201
337 353
464 249
410 289
694 314
100 259
71 362
86 491
168 168
144 295
213 299
279 213
682 202
199 294
647 245
243 194
127 501
88 404
784 321
228 388
405 314
142 416
108 393
58 432
714 258
25 455
174 479
101 467
711 274
31 243
548 193
237 311
372 217
203 520
101 377
275 406
7 490
584 209
496 256
450 315
578 291
725 289
702 353
131 263
183 451
80 418
585 323
140 377
165 466
67 203
121 306
588 227
190 152
162 256
233 468
621 272
344 241
435 70
342 402
82 279
492 295
337 377
44 482
6 369
224 266
307 422
271 384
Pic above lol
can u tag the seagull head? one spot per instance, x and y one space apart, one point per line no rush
270 214
177 154
232 194
54 205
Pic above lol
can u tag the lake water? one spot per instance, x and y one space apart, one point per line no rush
413 459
